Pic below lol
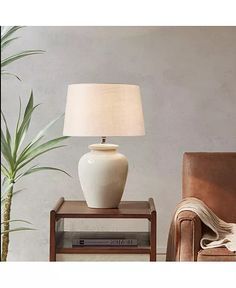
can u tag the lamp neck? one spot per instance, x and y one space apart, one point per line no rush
103 139
103 147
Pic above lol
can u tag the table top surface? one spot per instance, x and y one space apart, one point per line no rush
132 209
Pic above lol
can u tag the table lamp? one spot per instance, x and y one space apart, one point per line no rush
103 110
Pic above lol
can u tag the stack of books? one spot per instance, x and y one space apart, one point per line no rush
104 241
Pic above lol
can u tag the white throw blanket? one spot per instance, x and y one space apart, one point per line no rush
220 234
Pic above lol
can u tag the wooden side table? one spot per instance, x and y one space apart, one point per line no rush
61 241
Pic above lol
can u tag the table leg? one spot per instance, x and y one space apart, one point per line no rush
52 252
153 236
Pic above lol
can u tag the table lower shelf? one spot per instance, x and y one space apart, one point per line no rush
64 243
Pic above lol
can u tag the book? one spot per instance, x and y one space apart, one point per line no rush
103 242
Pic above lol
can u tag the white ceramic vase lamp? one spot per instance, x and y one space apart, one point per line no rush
103 110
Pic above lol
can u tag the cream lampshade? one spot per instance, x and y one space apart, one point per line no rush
103 110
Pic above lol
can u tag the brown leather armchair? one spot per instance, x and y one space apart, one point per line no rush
210 177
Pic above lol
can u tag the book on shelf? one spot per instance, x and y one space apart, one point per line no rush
103 242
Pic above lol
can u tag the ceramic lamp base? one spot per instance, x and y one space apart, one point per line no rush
103 172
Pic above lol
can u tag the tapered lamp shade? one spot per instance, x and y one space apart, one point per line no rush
103 110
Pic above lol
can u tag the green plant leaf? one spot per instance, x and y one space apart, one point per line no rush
24 173
45 146
6 151
4 44
17 191
28 109
37 169
17 229
16 220
4 179
6 146
30 103
40 151
19 117
17 56
6 33
8 135
44 130
10 74
5 172
22 128
29 148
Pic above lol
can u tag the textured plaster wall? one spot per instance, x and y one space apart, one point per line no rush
187 78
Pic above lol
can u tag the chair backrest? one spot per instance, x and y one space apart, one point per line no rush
211 177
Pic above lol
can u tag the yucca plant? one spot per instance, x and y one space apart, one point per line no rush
15 156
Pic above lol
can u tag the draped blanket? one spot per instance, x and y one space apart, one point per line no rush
219 233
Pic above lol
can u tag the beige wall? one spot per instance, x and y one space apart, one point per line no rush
187 78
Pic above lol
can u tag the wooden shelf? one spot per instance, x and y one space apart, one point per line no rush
126 209
61 241
64 243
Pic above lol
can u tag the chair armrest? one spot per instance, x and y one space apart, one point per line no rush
184 237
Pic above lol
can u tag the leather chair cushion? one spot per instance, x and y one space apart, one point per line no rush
216 254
